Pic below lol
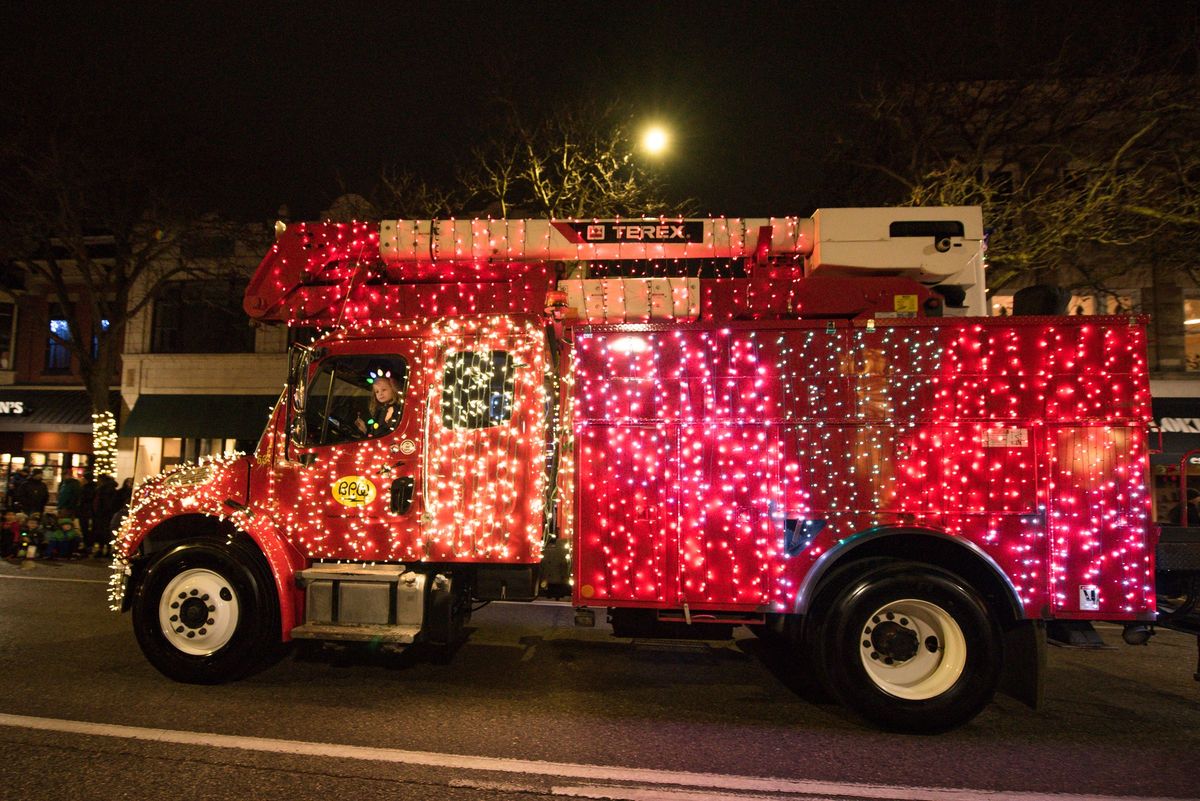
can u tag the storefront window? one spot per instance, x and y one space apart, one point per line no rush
1191 333
52 466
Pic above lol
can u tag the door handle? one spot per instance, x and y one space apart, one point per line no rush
402 494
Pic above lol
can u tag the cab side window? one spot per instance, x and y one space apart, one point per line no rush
355 397
477 389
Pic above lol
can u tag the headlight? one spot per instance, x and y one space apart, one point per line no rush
187 476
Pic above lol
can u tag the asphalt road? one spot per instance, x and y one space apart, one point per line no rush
531 706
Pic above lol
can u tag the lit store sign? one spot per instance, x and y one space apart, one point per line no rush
12 407
1175 425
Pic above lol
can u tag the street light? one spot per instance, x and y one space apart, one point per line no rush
655 140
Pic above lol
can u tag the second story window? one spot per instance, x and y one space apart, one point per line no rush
8 316
203 316
96 339
58 355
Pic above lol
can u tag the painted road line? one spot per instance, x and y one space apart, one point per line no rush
55 578
657 779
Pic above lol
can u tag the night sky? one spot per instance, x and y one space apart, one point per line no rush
255 106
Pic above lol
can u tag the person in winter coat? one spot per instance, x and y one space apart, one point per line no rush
68 497
62 538
31 536
85 512
103 510
33 494
10 535
125 493
14 483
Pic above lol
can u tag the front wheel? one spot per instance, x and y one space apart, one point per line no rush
206 612
911 647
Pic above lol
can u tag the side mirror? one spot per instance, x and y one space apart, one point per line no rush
299 430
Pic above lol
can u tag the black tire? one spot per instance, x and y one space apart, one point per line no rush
941 684
236 570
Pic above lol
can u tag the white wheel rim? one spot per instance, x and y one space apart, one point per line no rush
941 649
198 612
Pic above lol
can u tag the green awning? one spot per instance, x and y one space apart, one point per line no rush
199 416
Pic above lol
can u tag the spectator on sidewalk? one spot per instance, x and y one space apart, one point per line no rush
31 536
62 538
102 513
85 512
15 481
68 497
10 535
32 494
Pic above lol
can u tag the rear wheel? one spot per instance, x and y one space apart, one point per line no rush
911 647
206 612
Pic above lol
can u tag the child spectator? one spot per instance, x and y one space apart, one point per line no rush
10 535
62 539
31 536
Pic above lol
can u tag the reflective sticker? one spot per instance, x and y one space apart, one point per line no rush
1089 598
353 491
408 447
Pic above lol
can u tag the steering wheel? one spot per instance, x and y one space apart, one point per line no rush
342 429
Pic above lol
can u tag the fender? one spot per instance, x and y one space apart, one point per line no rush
284 561
844 547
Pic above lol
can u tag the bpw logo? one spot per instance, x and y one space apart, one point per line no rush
12 407
353 491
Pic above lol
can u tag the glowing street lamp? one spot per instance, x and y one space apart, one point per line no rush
655 140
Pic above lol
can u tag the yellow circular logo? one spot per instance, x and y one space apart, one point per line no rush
353 491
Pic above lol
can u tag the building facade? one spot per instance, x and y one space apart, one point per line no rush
197 378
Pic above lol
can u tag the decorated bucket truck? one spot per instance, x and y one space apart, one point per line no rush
805 426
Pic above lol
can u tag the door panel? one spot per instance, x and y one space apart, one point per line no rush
485 430
338 487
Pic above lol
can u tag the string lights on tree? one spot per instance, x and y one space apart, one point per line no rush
104 444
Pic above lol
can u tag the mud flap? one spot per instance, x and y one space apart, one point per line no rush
1024 672
444 616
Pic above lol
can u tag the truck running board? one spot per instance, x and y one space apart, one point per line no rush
362 633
